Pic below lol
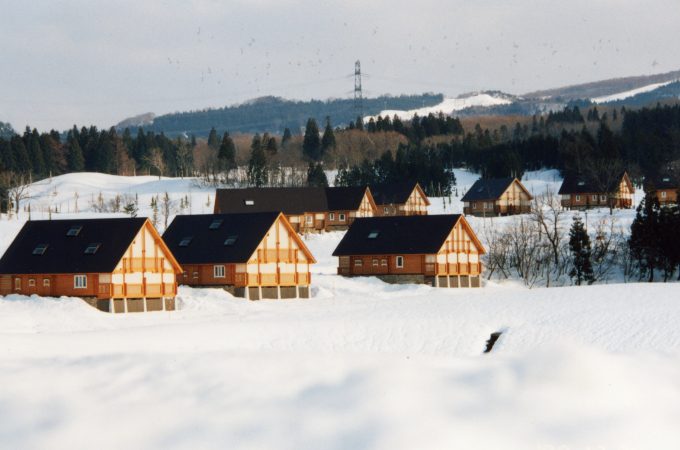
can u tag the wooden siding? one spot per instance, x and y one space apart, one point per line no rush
459 255
666 196
322 221
279 260
146 270
514 200
622 198
415 205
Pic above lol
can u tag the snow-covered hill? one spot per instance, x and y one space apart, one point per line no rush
362 364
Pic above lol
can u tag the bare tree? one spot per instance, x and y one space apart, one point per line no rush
166 209
155 160
17 187
548 214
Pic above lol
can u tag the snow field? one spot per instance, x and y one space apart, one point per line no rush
362 364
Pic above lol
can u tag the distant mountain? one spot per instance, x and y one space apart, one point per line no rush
604 87
274 114
141 120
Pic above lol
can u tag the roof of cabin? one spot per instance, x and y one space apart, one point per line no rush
289 200
487 188
578 184
397 234
666 181
207 245
392 193
66 254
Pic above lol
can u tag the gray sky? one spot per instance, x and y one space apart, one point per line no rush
97 62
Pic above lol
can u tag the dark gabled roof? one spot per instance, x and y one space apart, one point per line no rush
289 200
66 254
487 189
392 193
578 184
207 245
397 234
665 181
344 198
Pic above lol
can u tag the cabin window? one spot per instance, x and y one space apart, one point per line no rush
474 205
195 275
578 198
231 240
386 210
186 241
594 197
249 202
341 217
215 224
581 183
373 234
79 281
31 282
358 262
310 220
663 194
46 282
185 274
375 263
603 198
40 249
331 216
383 262
218 271
17 284
92 248
74 230
400 262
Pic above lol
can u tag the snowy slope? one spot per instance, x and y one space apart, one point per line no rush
631 93
447 106
362 364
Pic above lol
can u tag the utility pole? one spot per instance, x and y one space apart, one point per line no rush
358 94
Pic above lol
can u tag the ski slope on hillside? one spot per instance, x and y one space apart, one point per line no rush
447 106
630 93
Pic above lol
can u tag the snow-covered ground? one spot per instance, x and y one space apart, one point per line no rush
447 106
360 365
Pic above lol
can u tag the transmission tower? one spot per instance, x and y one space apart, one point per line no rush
358 95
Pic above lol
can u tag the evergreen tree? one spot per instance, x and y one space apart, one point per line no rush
579 244
213 140
226 155
35 153
328 139
269 143
74 155
645 240
311 144
316 176
257 165
285 140
23 161
359 124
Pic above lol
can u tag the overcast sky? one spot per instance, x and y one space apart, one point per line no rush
90 62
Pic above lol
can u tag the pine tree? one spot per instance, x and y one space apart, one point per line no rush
226 155
74 155
213 140
35 153
579 244
311 144
257 165
644 241
316 176
328 139
270 144
285 140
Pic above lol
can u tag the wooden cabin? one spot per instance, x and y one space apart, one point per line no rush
306 208
440 250
579 192
116 265
497 197
399 199
251 255
665 188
